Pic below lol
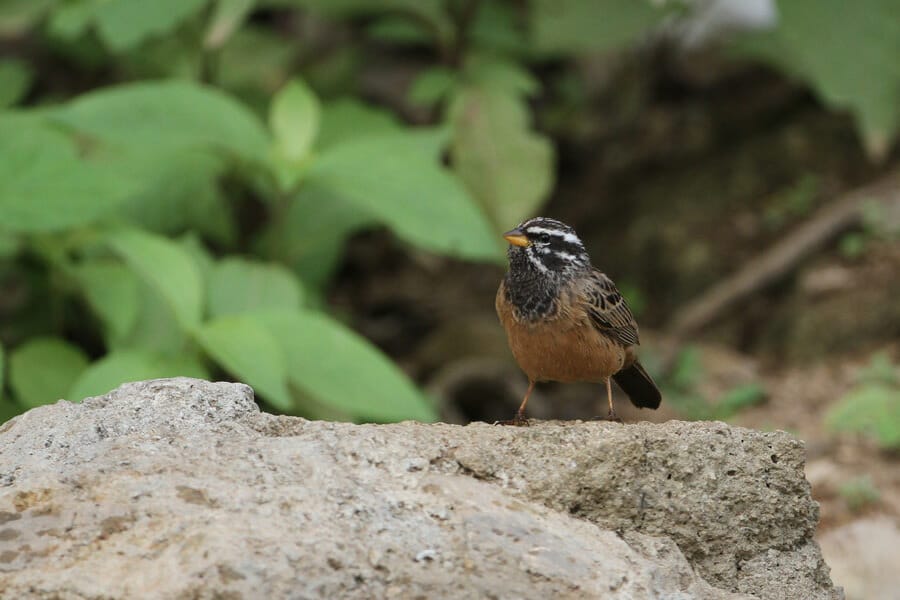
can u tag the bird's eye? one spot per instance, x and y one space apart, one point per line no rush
544 237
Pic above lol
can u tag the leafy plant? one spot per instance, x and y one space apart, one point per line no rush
820 43
178 178
872 407
79 194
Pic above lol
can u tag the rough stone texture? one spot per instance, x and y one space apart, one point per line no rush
182 489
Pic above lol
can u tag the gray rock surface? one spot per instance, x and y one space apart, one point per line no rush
181 488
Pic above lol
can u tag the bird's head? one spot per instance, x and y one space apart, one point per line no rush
546 247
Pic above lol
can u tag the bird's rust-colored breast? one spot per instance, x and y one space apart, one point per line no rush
565 347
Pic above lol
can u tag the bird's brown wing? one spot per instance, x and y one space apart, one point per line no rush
608 311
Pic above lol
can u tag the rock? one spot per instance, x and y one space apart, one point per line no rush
864 557
181 488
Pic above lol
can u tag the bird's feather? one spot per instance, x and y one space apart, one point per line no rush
608 310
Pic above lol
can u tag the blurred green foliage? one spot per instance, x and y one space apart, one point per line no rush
178 178
860 493
872 407
682 391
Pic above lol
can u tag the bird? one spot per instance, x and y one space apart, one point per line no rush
565 320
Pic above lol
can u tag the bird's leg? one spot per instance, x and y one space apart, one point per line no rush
520 419
520 414
611 416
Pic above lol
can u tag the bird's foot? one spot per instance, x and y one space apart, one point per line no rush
518 421
610 416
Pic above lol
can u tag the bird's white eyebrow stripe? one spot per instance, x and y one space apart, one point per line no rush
566 256
569 237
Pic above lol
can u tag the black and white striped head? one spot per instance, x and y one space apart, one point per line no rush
546 247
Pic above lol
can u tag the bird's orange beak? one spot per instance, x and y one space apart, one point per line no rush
516 237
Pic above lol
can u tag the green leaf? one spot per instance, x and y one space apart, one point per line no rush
15 81
570 26
125 366
45 186
400 29
399 180
237 285
873 409
341 369
156 329
311 234
9 409
257 62
492 72
246 349
349 119
167 114
228 16
42 370
17 16
848 53
111 290
294 120
167 267
124 24
432 86
505 165
177 189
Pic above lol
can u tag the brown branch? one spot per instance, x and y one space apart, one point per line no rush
838 216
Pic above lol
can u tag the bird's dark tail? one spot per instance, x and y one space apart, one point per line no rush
639 386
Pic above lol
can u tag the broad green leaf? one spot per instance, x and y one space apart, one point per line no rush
256 62
341 369
237 285
42 370
349 119
167 267
492 72
71 20
496 28
203 258
167 114
246 349
227 17
15 80
45 186
123 24
311 234
111 290
294 120
432 86
401 29
399 180
125 366
177 190
156 328
570 26
9 409
848 53
506 166
17 16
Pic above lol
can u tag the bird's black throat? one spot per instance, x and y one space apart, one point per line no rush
534 294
